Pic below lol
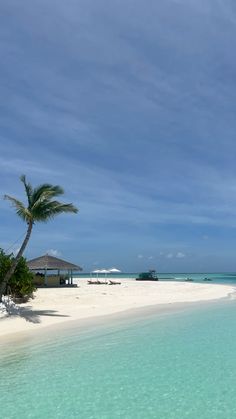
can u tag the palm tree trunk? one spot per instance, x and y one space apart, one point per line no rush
11 271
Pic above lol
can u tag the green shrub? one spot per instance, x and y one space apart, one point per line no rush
20 284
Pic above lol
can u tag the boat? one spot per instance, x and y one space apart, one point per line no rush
147 276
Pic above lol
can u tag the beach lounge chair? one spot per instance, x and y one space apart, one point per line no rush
97 282
111 282
102 282
92 281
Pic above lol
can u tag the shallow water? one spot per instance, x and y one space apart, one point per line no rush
222 278
180 365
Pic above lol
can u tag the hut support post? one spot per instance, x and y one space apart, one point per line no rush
45 277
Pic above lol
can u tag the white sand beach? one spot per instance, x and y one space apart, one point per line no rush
55 306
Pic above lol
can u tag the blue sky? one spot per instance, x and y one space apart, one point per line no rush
130 106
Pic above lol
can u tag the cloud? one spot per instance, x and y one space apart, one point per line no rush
53 252
13 165
132 117
140 256
169 255
180 255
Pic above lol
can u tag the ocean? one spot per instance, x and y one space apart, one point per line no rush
173 365
222 278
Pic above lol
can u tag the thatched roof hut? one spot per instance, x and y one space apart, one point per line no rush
50 263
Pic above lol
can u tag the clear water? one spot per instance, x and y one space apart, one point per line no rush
224 278
175 366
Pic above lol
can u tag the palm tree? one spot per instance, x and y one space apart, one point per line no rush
40 208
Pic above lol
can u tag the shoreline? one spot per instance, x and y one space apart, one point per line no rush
60 309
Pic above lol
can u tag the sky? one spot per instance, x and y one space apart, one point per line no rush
130 107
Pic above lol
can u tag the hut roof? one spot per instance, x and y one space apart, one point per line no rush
51 263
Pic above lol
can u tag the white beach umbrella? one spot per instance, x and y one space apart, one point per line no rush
114 270
101 271
104 271
96 271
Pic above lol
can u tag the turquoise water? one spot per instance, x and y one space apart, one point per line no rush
225 278
170 366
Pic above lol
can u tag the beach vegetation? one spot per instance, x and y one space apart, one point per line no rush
20 285
41 206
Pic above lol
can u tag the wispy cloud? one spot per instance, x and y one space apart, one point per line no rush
53 252
180 255
133 113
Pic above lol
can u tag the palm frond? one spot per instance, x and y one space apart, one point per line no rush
46 190
28 188
23 212
41 207
45 210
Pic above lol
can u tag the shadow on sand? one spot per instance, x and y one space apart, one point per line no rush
32 316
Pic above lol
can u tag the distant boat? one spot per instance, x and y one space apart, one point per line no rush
189 280
207 279
147 276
